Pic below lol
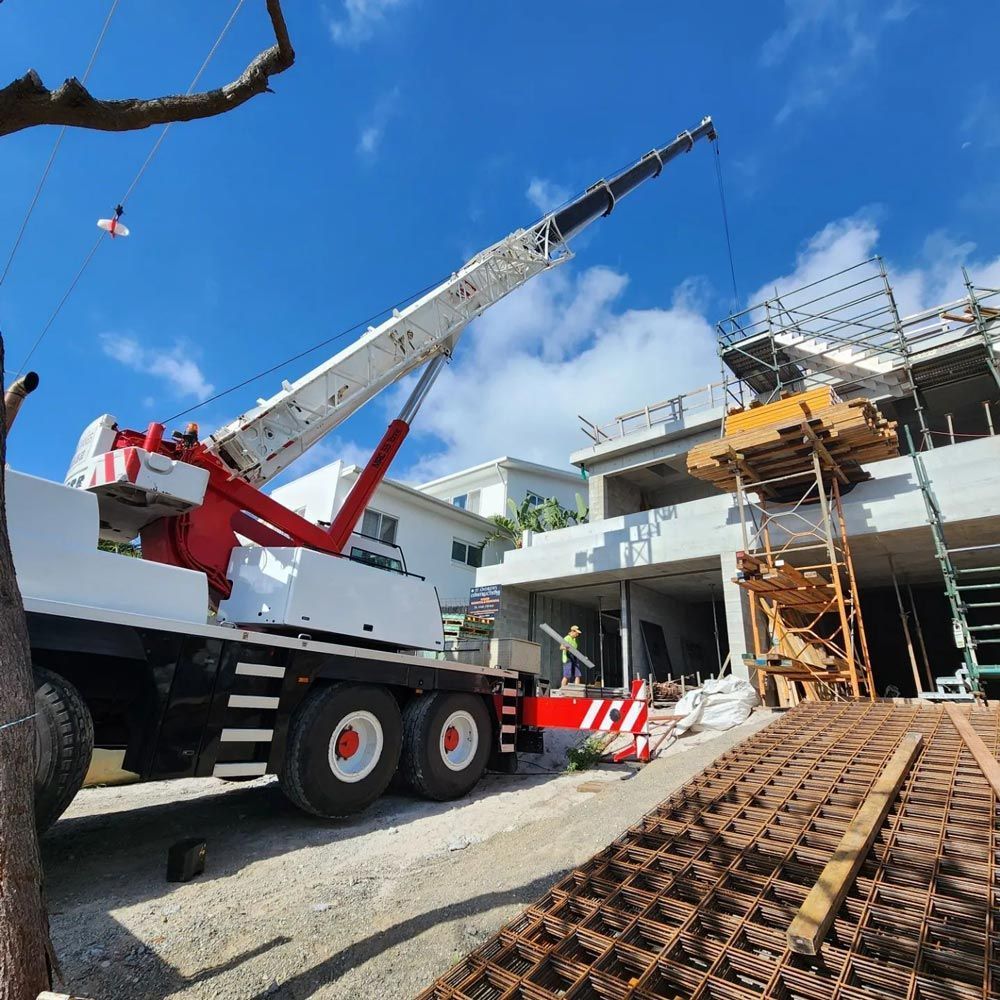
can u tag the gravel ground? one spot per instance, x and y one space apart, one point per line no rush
292 907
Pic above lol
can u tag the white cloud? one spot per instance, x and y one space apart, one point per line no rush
373 127
563 345
560 346
174 365
981 121
360 20
546 195
825 45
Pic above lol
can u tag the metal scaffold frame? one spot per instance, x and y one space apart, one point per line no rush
815 632
845 330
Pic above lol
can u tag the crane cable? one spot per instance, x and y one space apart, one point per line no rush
149 159
725 224
55 147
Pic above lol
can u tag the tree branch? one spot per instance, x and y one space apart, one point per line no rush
27 102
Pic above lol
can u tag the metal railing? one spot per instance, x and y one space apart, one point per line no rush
666 411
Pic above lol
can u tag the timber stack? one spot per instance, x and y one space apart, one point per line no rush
778 439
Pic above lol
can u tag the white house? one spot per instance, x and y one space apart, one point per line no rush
437 540
485 489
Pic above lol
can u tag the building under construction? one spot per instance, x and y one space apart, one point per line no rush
827 517
822 519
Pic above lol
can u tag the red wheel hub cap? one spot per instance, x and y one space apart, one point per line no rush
347 744
450 738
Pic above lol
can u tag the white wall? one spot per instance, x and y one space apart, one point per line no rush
500 482
521 481
425 531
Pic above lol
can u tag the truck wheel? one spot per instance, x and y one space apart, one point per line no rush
342 750
64 743
446 743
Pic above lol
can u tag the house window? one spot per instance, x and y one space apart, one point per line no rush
467 501
375 524
534 499
467 553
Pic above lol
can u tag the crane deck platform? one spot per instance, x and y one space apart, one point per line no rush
695 900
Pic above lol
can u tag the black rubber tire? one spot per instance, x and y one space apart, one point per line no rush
421 765
64 744
306 776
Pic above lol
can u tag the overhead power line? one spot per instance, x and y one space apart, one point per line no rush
55 148
135 180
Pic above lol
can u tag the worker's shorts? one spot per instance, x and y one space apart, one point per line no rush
571 667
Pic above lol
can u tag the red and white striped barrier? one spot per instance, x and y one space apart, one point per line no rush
599 715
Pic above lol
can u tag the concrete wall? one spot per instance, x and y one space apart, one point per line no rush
966 480
685 626
612 496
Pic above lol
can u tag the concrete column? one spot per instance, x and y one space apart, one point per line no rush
513 619
626 632
737 616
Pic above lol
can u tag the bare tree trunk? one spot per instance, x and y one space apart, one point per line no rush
24 927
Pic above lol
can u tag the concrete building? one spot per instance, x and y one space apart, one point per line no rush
436 530
649 578
485 489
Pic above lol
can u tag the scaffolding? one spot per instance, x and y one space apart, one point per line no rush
805 615
846 331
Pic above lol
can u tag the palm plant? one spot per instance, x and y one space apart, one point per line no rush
527 516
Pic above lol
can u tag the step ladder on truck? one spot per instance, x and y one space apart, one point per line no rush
318 662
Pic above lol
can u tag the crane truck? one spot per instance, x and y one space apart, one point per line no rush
249 640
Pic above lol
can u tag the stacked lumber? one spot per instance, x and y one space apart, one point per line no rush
466 626
780 438
762 414
808 592
793 602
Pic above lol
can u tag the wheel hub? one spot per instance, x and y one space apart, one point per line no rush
355 747
458 741
347 744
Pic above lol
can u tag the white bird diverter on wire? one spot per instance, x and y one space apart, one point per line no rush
114 225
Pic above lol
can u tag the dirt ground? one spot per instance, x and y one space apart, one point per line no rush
292 907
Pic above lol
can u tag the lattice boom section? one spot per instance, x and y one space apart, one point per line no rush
694 901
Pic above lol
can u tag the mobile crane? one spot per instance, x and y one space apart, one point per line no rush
316 665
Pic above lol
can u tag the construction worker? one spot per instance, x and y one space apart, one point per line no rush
571 667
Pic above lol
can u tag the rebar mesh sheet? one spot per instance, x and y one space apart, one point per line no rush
694 901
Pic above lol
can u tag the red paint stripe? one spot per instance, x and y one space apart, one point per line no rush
133 465
109 467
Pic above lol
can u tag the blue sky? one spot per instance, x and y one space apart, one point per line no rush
412 133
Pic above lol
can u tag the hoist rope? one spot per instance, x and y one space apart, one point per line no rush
725 224
55 148
131 188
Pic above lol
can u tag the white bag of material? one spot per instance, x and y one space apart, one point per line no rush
717 704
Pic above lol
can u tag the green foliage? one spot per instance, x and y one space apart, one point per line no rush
526 516
585 756
121 548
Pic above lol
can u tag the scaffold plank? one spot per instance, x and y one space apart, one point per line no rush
807 930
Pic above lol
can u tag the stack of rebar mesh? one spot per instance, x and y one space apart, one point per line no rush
695 901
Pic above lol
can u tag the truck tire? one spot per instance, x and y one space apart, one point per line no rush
446 743
342 749
64 743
